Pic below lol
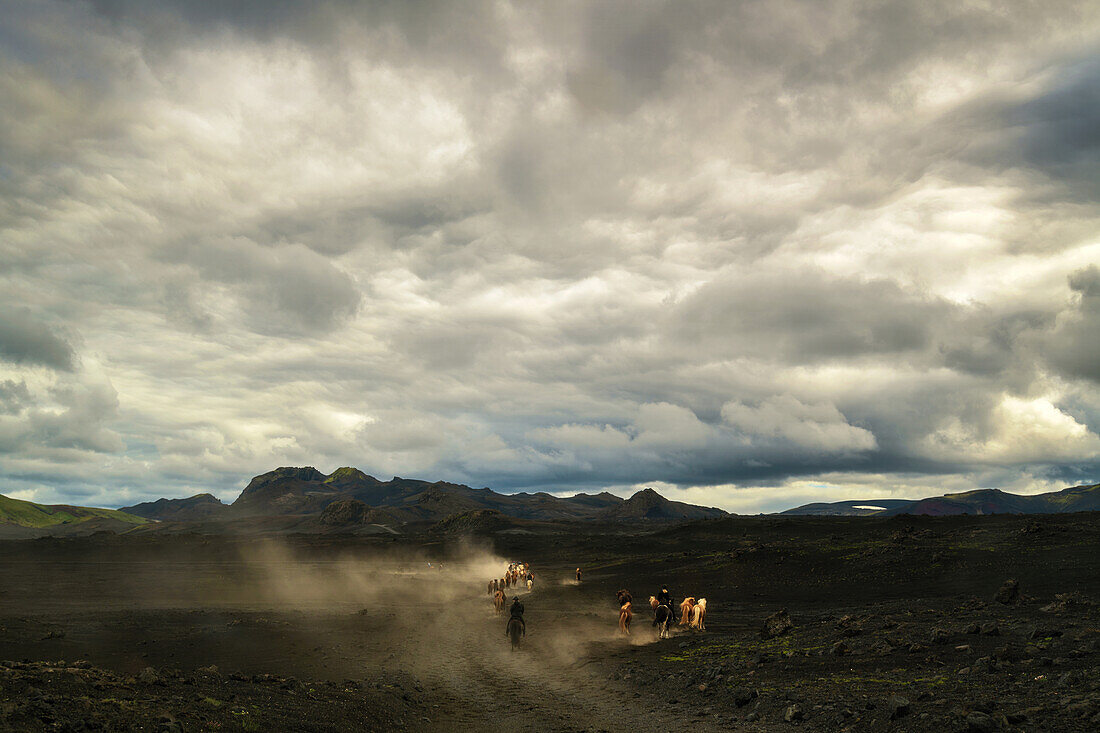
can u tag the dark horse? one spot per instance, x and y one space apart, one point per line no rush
515 631
662 619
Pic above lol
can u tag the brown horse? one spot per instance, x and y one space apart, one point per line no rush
514 631
498 602
685 611
625 615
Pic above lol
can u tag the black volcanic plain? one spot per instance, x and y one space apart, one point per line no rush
326 616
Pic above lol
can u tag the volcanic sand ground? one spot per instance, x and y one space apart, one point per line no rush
895 629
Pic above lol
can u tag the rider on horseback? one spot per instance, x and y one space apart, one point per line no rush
517 612
664 598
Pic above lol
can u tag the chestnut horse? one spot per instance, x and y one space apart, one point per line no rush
685 611
625 615
498 602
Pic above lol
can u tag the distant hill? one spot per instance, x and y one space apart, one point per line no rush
648 504
980 501
28 514
849 508
197 508
305 490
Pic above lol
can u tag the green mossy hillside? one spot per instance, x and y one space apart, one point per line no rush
29 514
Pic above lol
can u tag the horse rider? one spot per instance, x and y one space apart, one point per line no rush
664 598
516 611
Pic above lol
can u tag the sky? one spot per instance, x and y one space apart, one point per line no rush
752 254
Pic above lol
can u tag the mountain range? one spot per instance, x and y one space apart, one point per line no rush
980 501
306 491
302 499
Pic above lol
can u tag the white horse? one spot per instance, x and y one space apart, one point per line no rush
699 615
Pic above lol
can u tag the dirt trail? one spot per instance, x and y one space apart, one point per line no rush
548 684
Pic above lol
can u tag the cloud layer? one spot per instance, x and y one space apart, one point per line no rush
751 251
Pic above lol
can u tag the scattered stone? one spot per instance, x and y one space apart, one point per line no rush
991 629
149 676
939 636
1008 593
1083 709
742 696
1045 633
794 713
839 649
168 724
972 628
980 722
777 624
897 706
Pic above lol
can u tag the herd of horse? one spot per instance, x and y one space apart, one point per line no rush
516 574
693 611
693 614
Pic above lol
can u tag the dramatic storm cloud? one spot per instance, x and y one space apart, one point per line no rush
750 253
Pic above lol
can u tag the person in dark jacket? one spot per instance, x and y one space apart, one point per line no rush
664 598
516 611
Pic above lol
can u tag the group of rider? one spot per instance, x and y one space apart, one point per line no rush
664 618
517 573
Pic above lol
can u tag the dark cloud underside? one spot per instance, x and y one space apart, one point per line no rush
756 251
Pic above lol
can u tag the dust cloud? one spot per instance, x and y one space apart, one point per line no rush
286 579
